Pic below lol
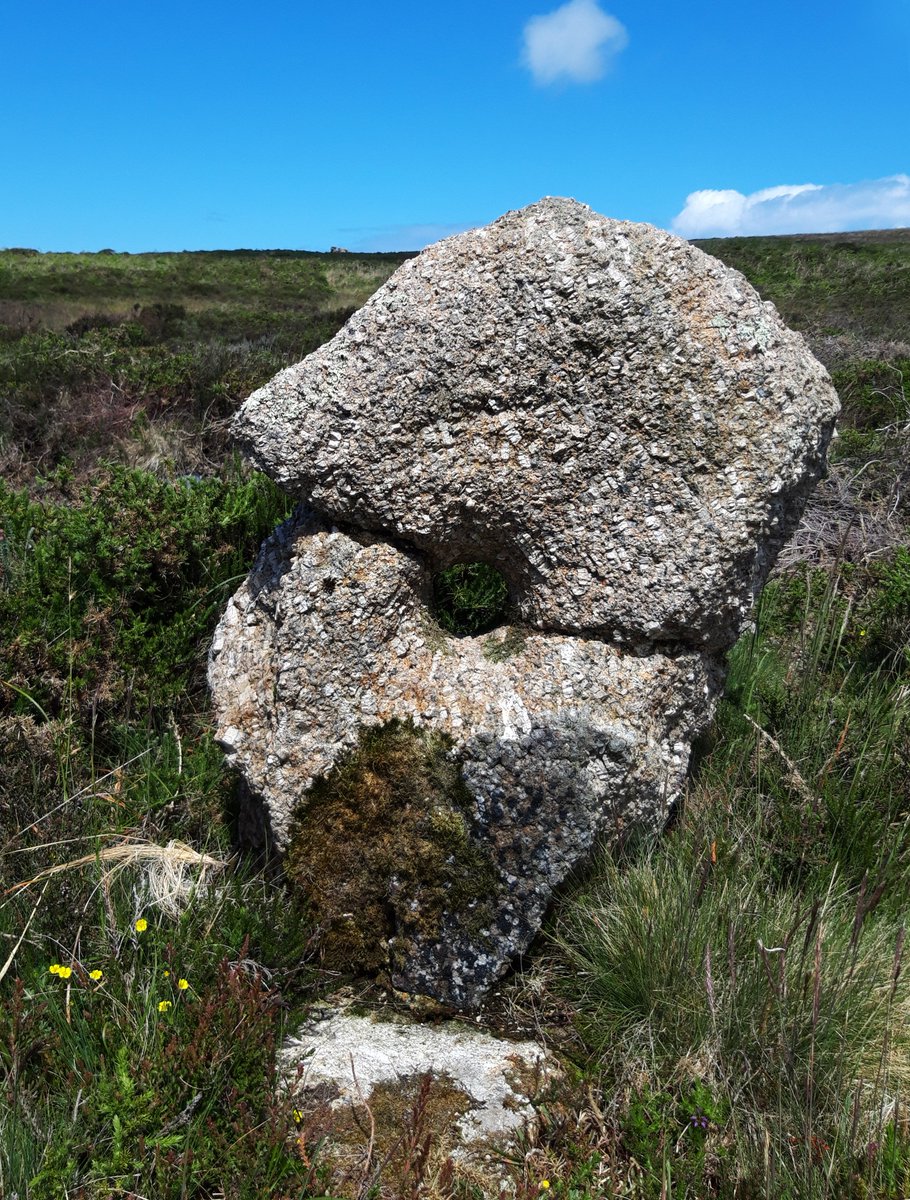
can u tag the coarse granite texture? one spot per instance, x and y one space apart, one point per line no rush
348 1056
563 739
613 419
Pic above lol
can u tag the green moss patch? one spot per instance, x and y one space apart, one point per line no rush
383 848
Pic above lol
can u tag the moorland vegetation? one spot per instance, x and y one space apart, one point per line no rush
732 1001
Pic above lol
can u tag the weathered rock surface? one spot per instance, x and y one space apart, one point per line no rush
479 1090
500 1079
558 738
627 432
612 418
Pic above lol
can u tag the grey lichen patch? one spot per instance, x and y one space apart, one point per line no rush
382 849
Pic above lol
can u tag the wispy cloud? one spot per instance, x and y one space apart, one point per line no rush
575 43
797 208
403 237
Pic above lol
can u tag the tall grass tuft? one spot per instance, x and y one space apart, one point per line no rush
742 980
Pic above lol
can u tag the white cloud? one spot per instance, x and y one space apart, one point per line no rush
577 42
797 208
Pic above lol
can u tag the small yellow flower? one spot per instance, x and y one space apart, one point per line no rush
141 925
862 633
96 975
65 972
297 1115
544 1184
55 968
164 1005
183 984
167 974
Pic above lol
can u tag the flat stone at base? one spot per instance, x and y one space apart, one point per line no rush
479 1090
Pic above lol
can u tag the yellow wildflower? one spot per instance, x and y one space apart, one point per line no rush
65 972
141 925
167 974
164 1005
297 1115
183 984
96 974
544 1184
55 968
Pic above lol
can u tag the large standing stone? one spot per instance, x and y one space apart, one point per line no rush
619 425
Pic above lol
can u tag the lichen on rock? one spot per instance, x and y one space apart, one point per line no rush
562 740
363 1083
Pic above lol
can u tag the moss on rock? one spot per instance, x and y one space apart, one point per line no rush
383 850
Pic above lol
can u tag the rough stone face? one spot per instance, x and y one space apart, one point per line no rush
481 1089
560 740
609 416
627 432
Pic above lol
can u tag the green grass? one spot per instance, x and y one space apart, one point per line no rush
470 599
278 279
156 1076
754 957
726 998
96 348
849 282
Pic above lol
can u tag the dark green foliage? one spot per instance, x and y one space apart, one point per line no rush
673 1137
470 599
111 594
108 597
874 393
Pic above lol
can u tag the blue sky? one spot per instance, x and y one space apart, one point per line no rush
194 125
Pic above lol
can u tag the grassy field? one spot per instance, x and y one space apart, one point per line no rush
731 1001
143 357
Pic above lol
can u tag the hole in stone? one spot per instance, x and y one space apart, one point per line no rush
470 599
